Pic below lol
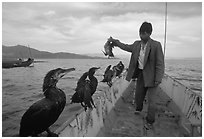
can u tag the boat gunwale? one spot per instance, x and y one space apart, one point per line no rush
188 88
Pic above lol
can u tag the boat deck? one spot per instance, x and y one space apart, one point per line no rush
122 122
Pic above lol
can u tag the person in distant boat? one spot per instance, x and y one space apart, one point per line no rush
20 59
147 65
29 59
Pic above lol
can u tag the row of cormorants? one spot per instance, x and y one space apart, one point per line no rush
114 72
43 113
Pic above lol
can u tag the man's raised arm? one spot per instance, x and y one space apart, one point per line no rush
125 47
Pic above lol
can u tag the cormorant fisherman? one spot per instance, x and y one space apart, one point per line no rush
43 113
85 89
108 75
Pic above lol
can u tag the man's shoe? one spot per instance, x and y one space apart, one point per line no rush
148 126
137 112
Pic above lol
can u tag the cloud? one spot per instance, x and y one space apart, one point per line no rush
49 13
81 27
184 9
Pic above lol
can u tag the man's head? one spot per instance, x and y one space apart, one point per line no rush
145 31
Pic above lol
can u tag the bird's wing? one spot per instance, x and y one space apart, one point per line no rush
93 85
108 68
83 78
38 113
80 91
81 81
87 94
76 98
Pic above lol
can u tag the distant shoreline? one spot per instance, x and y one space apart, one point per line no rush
44 59
41 60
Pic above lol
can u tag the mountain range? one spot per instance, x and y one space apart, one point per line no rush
20 51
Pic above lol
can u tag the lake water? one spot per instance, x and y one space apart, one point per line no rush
21 87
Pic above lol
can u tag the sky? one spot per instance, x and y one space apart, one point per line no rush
83 28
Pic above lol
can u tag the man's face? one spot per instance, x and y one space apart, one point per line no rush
144 36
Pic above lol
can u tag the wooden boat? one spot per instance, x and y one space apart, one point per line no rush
179 113
17 63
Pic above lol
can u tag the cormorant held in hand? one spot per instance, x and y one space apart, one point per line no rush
108 75
85 89
108 47
43 113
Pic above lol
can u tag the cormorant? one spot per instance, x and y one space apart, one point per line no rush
118 68
78 97
85 89
108 49
43 113
108 75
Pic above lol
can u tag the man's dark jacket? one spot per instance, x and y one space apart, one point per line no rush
153 61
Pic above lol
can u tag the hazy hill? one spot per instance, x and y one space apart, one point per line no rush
20 51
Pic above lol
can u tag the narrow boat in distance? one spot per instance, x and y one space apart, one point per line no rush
17 63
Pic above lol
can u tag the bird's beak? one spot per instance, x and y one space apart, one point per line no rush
97 68
65 71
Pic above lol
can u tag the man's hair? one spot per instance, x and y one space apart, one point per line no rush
146 27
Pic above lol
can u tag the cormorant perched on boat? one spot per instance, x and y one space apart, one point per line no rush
85 89
78 97
43 113
108 75
118 68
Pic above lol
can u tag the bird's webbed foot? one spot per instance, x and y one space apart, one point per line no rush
51 134
94 106
92 102
83 105
109 84
85 108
